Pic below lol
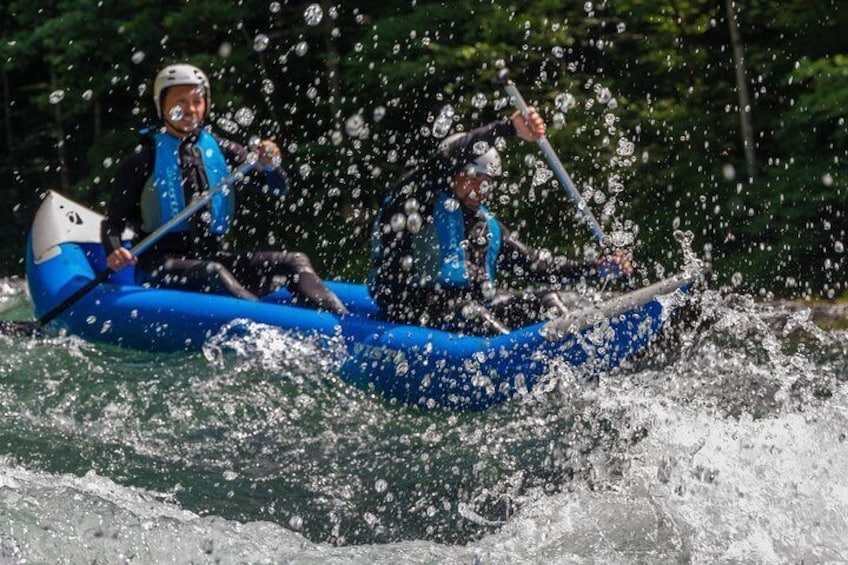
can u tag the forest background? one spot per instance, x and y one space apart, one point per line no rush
724 119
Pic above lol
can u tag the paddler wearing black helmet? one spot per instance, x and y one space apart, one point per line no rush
177 161
437 251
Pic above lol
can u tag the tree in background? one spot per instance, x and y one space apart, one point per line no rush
643 102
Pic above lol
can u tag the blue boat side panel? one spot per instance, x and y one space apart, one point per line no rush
354 296
417 366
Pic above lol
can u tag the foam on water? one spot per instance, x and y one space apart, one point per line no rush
727 446
68 519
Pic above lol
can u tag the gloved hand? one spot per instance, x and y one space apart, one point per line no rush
614 266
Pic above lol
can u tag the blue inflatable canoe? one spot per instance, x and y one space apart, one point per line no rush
410 364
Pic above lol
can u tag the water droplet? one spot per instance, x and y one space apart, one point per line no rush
414 222
88 94
480 147
313 14
137 57
451 204
827 179
354 125
380 485
411 205
684 237
444 122
558 120
736 278
479 101
621 238
245 116
304 170
56 96
398 222
275 7
225 49
729 172
312 93
295 522
565 101
268 86
406 263
603 94
488 290
260 42
301 48
176 113
558 52
625 147
621 27
107 162
379 113
588 7
542 175
227 125
839 247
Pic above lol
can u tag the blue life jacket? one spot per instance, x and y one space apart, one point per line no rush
450 231
167 180
436 250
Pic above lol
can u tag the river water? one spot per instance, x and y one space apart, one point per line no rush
728 446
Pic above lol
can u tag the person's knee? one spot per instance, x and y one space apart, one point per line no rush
215 269
302 263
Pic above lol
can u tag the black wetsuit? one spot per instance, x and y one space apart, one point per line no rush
404 295
196 259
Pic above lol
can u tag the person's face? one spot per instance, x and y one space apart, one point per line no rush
472 190
184 108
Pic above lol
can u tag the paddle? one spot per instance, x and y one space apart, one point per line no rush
554 162
558 168
30 328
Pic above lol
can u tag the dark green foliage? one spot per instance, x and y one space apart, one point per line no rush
397 65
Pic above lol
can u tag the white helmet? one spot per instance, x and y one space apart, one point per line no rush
175 75
487 163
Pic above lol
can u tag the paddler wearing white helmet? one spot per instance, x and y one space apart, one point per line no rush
172 165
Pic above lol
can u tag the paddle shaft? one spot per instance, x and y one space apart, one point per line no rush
557 167
145 244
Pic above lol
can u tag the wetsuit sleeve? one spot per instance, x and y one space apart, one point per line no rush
124 206
523 261
275 178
